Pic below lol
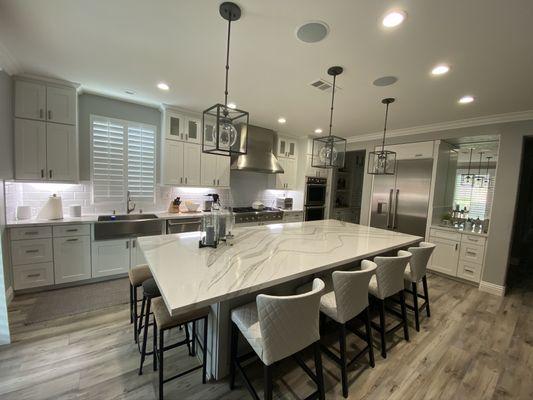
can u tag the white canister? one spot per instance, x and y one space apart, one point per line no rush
74 211
23 212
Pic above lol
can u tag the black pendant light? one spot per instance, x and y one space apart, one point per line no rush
478 179
329 151
468 178
486 179
383 162
224 128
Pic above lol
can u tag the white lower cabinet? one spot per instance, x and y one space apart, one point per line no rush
72 259
457 254
293 216
137 256
110 257
33 275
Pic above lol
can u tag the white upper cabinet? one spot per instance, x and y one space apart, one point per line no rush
223 171
182 127
286 147
191 164
287 180
30 100
209 169
172 163
30 149
61 105
193 130
61 152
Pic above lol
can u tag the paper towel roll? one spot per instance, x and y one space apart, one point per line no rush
53 209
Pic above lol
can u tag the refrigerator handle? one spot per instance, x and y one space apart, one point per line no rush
390 209
395 216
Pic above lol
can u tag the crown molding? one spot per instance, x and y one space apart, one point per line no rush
7 62
443 126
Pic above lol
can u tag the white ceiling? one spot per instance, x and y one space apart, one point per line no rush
109 46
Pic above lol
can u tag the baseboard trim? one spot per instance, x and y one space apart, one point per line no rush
9 295
492 288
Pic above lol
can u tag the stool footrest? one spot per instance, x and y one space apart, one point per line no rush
179 375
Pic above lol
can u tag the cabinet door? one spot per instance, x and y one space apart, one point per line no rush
223 170
281 179
291 149
290 173
174 126
72 259
110 257
209 169
445 256
30 100
61 152
209 133
172 163
30 149
282 147
61 105
193 129
137 256
191 163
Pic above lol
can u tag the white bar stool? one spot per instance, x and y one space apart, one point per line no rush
347 300
387 282
416 272
277 327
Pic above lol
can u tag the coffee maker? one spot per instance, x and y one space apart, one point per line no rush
214 199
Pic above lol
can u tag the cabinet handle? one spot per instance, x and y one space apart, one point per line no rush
72 230
218 181
33 275
128 244
186 137
50 174
41 113
185 179
49 114
32 251
72 240
133 243
42 173
181 180
31 233
456 246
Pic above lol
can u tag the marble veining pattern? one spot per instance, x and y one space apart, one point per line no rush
261 257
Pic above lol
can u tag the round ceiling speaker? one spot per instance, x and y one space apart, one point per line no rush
385 81
312 32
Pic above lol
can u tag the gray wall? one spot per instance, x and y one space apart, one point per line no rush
506 187
6 126
112 108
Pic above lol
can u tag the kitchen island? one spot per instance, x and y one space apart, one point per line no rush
262 258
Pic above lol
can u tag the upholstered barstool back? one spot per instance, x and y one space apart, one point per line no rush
351 291
389 275
419 260
288 324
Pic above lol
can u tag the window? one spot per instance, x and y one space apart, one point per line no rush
478 200
123 159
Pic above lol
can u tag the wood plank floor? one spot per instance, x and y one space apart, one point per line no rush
475 346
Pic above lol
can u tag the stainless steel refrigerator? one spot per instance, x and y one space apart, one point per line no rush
400 202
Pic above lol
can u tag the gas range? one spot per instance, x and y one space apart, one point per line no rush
251 216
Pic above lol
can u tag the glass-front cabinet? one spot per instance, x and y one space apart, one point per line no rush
182 127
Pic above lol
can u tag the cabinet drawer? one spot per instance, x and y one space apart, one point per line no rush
36 232
444 234
473 239
469 271
72 230
472 253
33 275
31 251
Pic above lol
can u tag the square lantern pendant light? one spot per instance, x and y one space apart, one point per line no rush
383 162
329 151
224 128
478 179
468 178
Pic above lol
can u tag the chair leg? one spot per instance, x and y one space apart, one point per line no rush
138 325
161 348
369 338
319 371
426 295
233 355
145 335
204 367
414 288
267 373
187 337
131 303
342 345
382 328
193 338
154 346
135 314
404 316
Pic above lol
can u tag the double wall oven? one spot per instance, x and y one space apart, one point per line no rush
315 198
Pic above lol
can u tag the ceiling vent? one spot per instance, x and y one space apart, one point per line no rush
323 85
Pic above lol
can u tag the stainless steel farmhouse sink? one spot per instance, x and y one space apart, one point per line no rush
126 226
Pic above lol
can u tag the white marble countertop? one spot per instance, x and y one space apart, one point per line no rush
262 256
458 230
88 219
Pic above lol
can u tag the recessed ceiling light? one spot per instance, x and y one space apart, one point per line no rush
232 105
282 120
318 130
163 86
129 91
393 18
466 99
440 69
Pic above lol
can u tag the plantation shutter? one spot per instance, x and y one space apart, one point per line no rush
107 159
141 161
476 199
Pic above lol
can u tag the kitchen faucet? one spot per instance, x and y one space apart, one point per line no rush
128 209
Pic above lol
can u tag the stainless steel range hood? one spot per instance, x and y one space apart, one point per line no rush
260 156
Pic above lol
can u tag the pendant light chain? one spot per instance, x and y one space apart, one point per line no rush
227 68
385 127
332 101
